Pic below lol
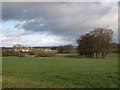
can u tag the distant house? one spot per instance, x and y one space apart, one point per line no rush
20 48
47 49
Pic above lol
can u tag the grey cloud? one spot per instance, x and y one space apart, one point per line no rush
23 11
60 19
17 25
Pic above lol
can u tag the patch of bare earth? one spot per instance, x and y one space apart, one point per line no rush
58 55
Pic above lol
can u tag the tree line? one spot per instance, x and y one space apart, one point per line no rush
96 43
65 49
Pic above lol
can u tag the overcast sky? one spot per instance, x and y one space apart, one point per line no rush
52 24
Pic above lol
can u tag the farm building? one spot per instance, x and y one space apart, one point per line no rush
21 48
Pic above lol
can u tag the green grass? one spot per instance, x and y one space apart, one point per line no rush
60 72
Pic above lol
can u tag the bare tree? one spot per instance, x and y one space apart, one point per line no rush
95 42
65 49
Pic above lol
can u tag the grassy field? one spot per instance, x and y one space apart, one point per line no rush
60 72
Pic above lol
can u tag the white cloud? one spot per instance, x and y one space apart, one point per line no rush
43 42
2 37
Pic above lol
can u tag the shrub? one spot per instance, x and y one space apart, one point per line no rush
43 53
18 54
6 52
32 52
